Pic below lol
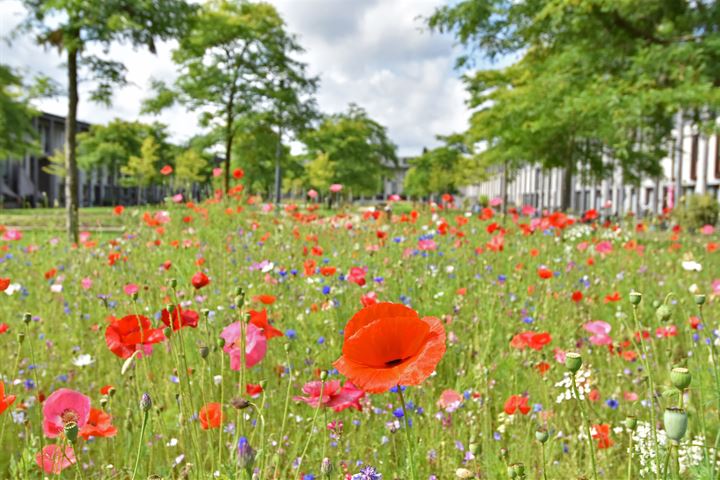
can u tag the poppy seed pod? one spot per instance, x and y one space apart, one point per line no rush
541 435
656 304
631 423
167 331
239 301
511 471
635 298
204 352
145 402
27 318
21 337
326 467
71 431
573 361
676 423
323 375
172 283
663 313
239 403
700 299
680 378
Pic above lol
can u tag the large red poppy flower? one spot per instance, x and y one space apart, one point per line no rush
601 433
5 401
260 320
180 318
388 344
210 416
515 403
123 336
99 424
199 280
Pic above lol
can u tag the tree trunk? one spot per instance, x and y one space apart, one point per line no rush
566 194
229 139
71 169
278 172
504 188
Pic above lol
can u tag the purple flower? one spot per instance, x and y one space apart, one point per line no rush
367 473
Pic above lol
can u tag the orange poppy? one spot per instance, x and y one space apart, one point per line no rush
5 401
264 299
388 344
210 416
260 320
99 424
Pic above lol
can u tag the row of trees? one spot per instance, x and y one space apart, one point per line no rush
593 80
237 68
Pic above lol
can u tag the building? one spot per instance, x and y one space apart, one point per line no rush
693 169
393 182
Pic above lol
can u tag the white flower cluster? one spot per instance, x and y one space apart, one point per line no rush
584 385
691 451
578 231
503 420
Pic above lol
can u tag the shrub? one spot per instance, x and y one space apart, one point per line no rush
697 211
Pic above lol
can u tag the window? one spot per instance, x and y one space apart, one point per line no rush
694 156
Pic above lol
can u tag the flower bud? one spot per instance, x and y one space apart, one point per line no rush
511 471
503 453
326 467
635 298
205 312
519 469
239 403
464 473
680 378
27 318
167 331
21 337
71 431
172 283
145 402
631 423
542 435
663 313
239 301
323 375
676 423
700 299
573 361
246 454
220 342
204 352
103 401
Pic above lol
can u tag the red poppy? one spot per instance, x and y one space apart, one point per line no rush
199 280
118 210
211 416
99 424
368 299
333 395
180 318
166 170
388 344
542 367
517 402
601 432
253 390
264 299
4 284
536 341
615 297
106 389
357 276
260 320
577 296
124 336
50 273
5 402
238 173
544 273
328 271
4 327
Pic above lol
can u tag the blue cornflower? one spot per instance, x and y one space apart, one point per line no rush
367 473
321 340
326 290
612 403
290 333
398 412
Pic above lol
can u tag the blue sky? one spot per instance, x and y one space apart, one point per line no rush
376 53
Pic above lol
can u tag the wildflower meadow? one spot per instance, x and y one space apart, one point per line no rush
419 341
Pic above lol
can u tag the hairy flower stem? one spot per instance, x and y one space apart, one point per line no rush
146 414
77 460
630 455
411 447
586 423
651 388
312 424
544 464
285 411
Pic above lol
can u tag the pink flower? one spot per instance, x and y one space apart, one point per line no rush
84 236
12 234
255 345
559 355
333 396
394 197
217 172
336 187
449 400
312 194
86 283
497 201
64 406
604 247
427 244
130 289
162 216
357 276
716 286
600 331
582 246
630 396
528 210
177 198
268 207
53 460
707 230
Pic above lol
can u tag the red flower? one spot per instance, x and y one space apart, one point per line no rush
211 416
577 296
328 271
253 390
50 273
106 389
517 402
357 276
615 297
4 284
368 299
99 424
180 318
536 341
166 170
260 320
544 273
4 327
333 395
118 210
542 367
5 402
264 299
199 280
601 432
129 333
238 173
388 344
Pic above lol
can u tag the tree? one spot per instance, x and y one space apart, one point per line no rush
142 170
593 80
17 134
230 63
73 26
357 148
441 170
190 167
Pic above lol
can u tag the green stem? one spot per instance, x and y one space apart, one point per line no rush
630 454
586 423
77 460
285 412
411 447
140 443
543 462
312 424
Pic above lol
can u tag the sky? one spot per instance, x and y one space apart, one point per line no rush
376 53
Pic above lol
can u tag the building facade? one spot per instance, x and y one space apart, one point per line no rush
692 169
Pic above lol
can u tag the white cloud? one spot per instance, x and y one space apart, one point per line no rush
376 53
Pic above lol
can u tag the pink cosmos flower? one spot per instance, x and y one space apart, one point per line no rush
86 283
582 246
255 345
604 247
707 230
559 355
333 396
600 331
449 400
130 289
217 172
53 460
313 194
62 407
336 187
